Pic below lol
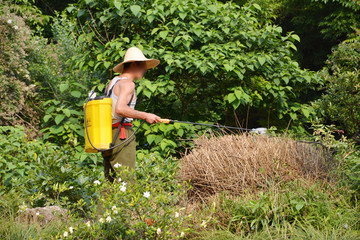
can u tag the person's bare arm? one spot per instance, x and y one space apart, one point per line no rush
125 90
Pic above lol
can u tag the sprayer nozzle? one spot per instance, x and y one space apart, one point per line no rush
164 120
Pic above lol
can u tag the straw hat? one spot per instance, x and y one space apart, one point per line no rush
134 54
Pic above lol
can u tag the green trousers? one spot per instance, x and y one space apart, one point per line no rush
124 155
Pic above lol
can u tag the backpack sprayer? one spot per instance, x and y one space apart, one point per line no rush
98 124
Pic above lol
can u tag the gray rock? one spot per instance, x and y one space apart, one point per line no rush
43 215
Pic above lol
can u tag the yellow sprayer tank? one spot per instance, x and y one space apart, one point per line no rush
99 124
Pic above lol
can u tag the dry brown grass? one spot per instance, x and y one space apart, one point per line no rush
242 163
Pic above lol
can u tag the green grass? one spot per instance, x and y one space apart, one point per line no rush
11 229
302 232
296 210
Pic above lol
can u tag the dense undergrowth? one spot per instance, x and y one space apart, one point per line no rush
157 206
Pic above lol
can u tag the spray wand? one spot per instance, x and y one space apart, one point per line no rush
257 130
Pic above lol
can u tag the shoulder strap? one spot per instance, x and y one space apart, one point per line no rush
109 91
121 123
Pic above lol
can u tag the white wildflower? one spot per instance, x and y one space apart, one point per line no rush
66 234
158 231
123 188
124 183
88 223
97 182
9 21
71 229
16 27
147 194
114 209
71 187
182 234
177 214
101 220
117 165
119 180
22 208
37 213
108 219
203 224
346 226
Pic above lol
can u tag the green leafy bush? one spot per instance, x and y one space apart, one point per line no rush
44 169
339 104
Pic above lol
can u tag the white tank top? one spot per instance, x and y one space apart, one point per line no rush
115 117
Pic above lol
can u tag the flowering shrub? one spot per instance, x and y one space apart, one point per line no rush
143 204
16 88
131 210
146 203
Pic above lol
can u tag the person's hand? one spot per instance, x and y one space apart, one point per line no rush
152 118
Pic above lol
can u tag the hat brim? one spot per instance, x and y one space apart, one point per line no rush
150 63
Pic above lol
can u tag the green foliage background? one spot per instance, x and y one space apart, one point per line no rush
292 65
212 67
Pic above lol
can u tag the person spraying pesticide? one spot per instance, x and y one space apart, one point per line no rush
121 93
